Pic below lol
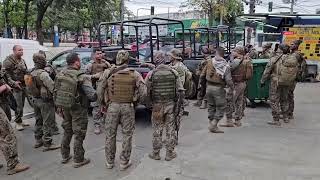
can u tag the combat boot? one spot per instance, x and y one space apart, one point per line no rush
66 160
238 123
204 105
198 103
286 120
229 123
170 155
19 127
97 130
290 117
38 144
213 127
109 165
274 123
1 166
125 165
18 168
84 162
24 124
155 155
51 147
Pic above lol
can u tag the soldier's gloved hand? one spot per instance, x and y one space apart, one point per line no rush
17 85
9 89
262 85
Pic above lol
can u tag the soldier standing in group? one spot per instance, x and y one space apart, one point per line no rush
72 93
282 69
301 74
217 74
251 52
119 89
16 68
266 51
40 86
201 98
8 140
241 71
95 69
166 91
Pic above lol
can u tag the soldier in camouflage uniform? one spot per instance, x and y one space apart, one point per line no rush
278 92
266 51
43 104
241 71
96 68
251 52
217 74
201 99
8 140
164 88
119 89
302 74
71 82
16 68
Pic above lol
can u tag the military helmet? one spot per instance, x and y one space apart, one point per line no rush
240 50
39 59
205 50
159 58
122 57
297 42
175 54
285 48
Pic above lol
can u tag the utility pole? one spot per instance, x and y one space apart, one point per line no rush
252 6
122 10
291 8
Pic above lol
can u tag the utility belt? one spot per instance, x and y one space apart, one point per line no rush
215 84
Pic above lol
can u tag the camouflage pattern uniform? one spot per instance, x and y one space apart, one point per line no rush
8 142
278 93
4 104
201 98
253 54
119 88
16 69
216 93
96 69
163 111
235 98
43 103
266 52
301 76
75 119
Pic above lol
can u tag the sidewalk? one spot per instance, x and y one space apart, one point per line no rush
255 151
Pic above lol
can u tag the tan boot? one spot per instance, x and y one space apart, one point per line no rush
155 155
214 128
1 166
229 123
19 127
84 162
203 105
97 130
38 144
18 168
170 155
197 103
24 124
286 120
66 160
238 123
125 165
109 165
51 147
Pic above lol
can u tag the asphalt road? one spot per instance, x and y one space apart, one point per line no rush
254 151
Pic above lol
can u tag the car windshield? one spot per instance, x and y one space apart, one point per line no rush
60 61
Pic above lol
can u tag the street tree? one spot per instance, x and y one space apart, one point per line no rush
42 6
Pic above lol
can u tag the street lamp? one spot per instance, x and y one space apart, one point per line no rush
141 9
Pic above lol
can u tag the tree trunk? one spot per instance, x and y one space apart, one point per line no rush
19 32
211 17
26 15
6 20
39 19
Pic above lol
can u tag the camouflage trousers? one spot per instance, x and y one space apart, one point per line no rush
97 115
163 118
45 120
235 101
20 97
6 108
123 114
216 96
8 141
75 123
291 100
279 100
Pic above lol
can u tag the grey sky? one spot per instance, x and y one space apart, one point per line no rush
161 6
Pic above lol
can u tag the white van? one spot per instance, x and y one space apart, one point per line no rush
29 48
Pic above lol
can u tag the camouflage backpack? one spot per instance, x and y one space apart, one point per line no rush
287 70
66 88
32 84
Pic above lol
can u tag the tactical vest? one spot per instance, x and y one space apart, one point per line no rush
212 76
66 88
181 73
163 85
287 70
243 71
98 67
121 86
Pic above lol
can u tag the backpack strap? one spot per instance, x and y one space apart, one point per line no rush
236 68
